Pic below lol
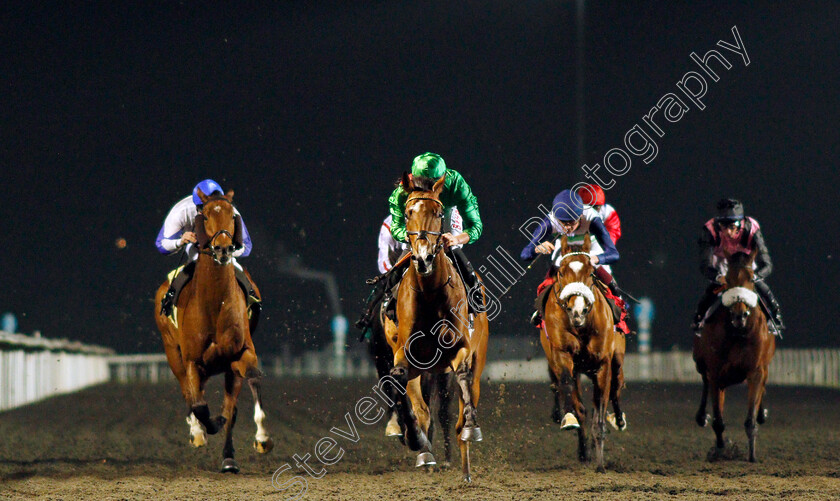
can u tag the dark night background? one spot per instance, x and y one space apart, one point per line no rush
311 110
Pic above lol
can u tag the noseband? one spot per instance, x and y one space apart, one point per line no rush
423 234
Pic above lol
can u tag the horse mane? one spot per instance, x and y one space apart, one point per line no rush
423 183
740 260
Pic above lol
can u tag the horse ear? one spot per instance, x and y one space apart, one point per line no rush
407 186
229 195
587 243
201 196
438 187
564 245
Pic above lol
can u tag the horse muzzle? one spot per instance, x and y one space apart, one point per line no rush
222 254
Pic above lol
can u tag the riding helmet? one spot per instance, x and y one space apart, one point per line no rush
208 187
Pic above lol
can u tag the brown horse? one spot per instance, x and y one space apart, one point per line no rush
579 338
735 345
212 333
433 333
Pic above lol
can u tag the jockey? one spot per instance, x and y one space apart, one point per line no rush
569 217
593 196
730 232
390 252
178 232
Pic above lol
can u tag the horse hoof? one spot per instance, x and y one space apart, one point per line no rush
471 434
229 466
425 459
600 469
467 479
264 447
702 420
569 422
618 424
393 429
762 416
198 440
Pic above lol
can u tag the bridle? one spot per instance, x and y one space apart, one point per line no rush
206 247
423 234
557 293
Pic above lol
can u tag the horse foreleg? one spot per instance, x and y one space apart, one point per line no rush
584 449
194 391
262 440
233 384
718 397
444 398
600 393
562 365
556 411
414 437
467 429
755 393
701 417
423 416
617 383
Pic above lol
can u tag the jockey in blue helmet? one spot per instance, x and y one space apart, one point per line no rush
178 233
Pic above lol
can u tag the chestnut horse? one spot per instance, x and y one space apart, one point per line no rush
735 345
579 338
212 333
433 334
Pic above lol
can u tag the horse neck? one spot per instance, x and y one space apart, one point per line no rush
212 280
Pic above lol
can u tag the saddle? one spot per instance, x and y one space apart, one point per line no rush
617 305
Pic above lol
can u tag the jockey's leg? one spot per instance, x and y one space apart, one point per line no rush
768 297
706 302
543 290
170 299
252 297
383 293
468 276
605 276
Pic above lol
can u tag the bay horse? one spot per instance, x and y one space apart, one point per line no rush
212 334
579 338
433 334
735 345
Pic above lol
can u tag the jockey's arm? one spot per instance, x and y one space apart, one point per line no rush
385 239
764 266
396 206
529 252
246 239
467 205
171 236
613 224
706 244
610 254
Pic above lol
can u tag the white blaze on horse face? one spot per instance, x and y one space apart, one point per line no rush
576 266
259 417
577 307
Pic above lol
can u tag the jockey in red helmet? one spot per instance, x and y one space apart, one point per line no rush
593 196
729 232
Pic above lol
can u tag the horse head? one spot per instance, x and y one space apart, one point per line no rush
740 296
218 228
574 275
424 219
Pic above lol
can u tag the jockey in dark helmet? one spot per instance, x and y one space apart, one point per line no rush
571 217
730 232
178 232
456 194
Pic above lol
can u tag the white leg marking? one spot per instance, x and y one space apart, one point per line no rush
198 435
259 416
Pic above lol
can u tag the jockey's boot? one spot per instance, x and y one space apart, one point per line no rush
709 297
170 299
252 299
536 318
770 299
475 301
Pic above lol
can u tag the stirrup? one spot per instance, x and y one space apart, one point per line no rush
536 319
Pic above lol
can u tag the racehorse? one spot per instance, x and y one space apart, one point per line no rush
212 332
433 334
383 340
735 345
579 338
